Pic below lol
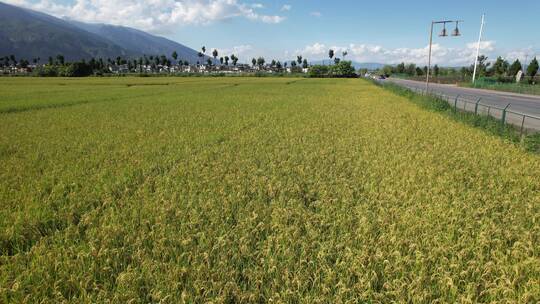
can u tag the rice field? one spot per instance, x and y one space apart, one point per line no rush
256 190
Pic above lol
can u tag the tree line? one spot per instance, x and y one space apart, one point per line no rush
501 69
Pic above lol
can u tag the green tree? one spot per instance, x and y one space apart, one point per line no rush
336 60
482 66
215 54
343 69
221 60
174 55
411 69
532 69
331 54
253 61
226 60
344 53
387 70
60 59
436 71
305 64
260 61
400 68
500 67
209 61
319 71
299 60
200 55
514 68
419 71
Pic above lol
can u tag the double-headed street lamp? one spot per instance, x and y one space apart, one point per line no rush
444 33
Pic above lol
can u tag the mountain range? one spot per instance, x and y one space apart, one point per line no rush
29 34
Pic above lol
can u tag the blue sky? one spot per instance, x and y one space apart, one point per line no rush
370 31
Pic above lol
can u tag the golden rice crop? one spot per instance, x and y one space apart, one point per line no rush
247 190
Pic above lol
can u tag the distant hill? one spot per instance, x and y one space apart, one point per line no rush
29 34
138 41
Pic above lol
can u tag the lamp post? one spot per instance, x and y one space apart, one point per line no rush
443 33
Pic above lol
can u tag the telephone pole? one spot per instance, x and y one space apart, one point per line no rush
478 49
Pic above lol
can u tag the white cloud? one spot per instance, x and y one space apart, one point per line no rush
152 15
286 7
316 14
240 50
524 54
272 19
376 53
314 50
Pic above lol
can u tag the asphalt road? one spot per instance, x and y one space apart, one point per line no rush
527 104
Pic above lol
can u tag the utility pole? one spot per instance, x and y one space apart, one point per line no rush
478 49
429 57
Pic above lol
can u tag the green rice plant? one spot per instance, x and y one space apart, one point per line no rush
486 123
256 190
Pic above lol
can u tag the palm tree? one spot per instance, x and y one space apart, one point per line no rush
200 56
254 61
344 53
331 54
299 59
226 60
203 49
215 54
305 64
60 59
221 60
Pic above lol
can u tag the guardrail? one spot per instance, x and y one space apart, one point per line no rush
526 123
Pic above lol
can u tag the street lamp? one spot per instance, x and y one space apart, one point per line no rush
443 33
